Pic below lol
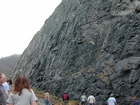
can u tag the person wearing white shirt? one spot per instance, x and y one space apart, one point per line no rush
111 100
91 100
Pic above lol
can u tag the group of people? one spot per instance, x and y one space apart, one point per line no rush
90 100
111 100
65 98
22 94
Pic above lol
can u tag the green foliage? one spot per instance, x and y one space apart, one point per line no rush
8 63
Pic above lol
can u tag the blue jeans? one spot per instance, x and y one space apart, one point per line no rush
47 102
83 103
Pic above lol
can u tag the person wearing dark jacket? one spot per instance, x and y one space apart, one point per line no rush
2 91
135 102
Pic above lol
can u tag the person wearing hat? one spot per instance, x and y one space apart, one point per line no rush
111 100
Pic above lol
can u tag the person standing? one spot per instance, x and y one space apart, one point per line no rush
22 94
111 100
47 98
135 102
6 86
2 91
91 100
83 99
9 81
65 98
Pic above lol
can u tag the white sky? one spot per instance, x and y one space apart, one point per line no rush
19 22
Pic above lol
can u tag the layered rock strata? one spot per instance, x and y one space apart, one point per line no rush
87 45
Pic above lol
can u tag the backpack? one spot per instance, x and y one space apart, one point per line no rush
65 96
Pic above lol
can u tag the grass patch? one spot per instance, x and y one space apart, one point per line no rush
73 102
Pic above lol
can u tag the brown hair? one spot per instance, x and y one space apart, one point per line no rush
133 98
20 83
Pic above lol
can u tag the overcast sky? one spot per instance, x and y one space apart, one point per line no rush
19 22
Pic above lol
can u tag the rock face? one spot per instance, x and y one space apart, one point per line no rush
87 45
